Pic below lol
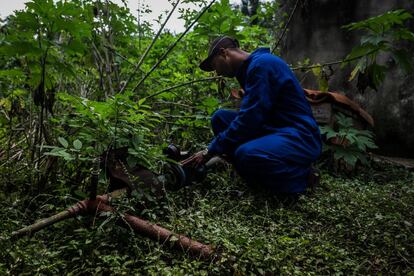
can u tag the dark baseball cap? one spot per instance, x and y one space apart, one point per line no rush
220 42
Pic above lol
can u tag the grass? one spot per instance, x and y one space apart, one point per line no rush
351 225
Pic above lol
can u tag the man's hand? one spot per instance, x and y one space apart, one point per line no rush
197 159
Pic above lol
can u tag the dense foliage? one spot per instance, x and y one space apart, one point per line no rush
64 66
72 86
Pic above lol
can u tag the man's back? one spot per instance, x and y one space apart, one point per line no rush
282 97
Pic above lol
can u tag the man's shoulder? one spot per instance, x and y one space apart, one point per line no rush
266 61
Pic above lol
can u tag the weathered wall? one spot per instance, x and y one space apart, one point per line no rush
315 32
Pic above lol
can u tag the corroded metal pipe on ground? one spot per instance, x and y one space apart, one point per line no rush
158 233
143 227
69 213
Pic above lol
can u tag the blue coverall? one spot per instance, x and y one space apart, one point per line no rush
273 138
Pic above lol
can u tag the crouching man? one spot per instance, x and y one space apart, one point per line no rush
273 139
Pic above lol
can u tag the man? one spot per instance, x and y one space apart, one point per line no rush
273 139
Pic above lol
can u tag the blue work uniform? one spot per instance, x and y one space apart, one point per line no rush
273 138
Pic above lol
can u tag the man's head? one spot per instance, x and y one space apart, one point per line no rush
224 57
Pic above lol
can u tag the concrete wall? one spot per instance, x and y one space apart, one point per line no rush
315 32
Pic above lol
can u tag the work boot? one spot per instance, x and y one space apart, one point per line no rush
314 178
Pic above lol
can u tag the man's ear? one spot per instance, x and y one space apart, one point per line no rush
222 52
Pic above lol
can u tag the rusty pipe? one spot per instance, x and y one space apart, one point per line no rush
143 227
158 233
41 224
78 208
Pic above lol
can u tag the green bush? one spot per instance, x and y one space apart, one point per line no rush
346 142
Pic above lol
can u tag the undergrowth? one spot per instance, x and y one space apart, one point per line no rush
357 225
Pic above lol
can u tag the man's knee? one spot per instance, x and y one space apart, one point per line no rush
250 158
243 155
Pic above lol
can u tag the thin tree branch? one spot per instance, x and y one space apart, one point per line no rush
173 45
286 26
176 104
181 85
124 58
149 48
333 62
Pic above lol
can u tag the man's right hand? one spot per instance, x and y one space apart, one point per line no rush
197 159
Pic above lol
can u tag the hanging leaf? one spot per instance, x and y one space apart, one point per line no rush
362 82
360 67
316 70
404 59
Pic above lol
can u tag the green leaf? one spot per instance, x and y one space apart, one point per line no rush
137 140
382 35
372 40
12 73
404 59
63 142
323 84
20 48
61 153
381 23
377 73
328 131
360 67
77 144
173 238
361 51
403 34
131 161
316 71
350 159
141 101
